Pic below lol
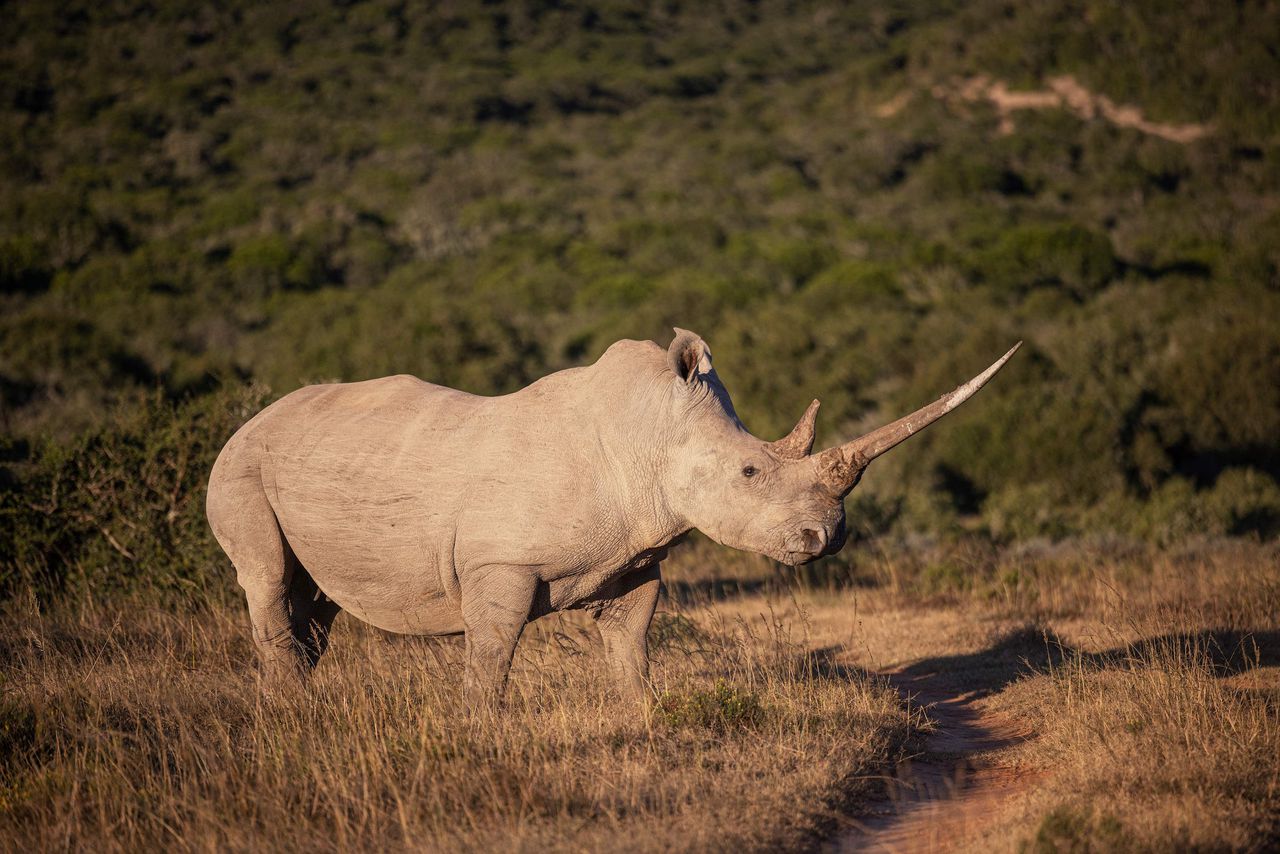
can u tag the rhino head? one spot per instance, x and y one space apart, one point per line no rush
776 498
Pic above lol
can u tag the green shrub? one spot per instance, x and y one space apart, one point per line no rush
722 709
864 282
120 508
1023 511
22 267
1030 256
226 211
261 262
1244 501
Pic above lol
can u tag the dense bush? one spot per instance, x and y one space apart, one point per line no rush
1067 256
121 507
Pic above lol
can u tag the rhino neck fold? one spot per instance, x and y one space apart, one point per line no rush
635 436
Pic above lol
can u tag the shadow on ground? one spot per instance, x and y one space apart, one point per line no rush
1032 650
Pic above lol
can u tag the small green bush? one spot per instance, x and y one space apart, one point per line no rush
1022 511
722 709
863 282
21 266
1244 501
261 263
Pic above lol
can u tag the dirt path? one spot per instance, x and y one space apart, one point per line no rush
955 786
1064 92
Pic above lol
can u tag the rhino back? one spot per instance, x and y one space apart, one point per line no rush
387 490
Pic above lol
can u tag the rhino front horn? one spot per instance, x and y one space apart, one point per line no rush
842 466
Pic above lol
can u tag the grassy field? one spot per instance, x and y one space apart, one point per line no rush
1145 686
134 730
1143 696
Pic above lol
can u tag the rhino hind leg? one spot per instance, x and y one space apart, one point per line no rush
311 613
290 617
266 578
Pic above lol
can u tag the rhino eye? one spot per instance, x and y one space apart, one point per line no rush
749 471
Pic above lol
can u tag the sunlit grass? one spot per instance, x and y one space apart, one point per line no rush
127 730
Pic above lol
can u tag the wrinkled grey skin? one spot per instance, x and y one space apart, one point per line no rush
425 510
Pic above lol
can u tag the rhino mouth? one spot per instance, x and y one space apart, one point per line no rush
813 542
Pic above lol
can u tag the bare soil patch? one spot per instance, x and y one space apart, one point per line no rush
954 786
1063 92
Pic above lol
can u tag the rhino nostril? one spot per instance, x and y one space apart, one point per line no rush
814 539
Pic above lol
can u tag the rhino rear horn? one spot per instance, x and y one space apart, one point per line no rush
799 442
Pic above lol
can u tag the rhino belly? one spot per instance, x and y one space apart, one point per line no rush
382 574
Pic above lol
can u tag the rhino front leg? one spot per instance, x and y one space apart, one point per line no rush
624 627
496 602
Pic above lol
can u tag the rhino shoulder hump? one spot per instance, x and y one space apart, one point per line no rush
631 347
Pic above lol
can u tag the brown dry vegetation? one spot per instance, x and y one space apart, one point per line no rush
1148 680
1147 689
128 731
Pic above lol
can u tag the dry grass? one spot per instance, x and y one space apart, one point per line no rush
124 731
1155 747
1150 681
1160 718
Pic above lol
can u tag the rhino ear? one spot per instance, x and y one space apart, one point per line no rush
688 356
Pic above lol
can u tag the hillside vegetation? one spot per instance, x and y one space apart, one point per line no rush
201 205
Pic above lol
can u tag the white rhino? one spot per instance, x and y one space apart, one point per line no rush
425 510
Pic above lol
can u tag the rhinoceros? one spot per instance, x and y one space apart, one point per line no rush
426 510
